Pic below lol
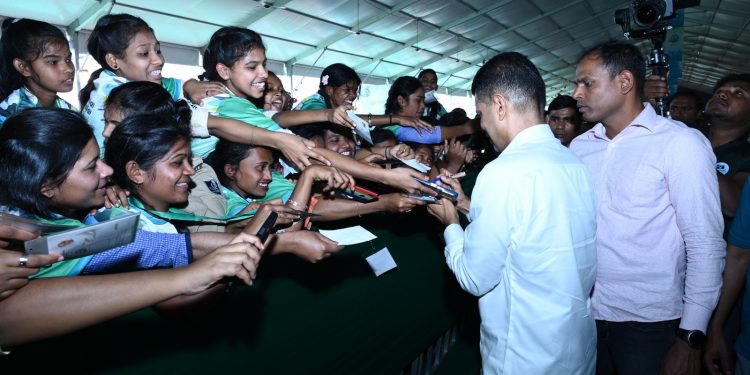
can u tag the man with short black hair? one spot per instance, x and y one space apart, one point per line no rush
728 112
529 252
687 107
564 118
660 252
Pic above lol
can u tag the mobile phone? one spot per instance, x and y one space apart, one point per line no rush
424 197
262 234
265 229
442 191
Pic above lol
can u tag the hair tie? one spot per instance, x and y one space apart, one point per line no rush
324 80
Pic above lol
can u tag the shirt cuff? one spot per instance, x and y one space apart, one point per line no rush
454 238
199 122
695 317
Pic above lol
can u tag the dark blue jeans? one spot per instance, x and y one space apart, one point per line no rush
633 348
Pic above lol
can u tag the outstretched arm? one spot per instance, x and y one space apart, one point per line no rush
49 307
296 149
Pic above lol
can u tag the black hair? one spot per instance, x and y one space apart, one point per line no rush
563 101
227 152
514 76
143 138
431 109
39 147
425 71
336 75
455 117
618 56
138 97
227 46
26 40
697 98
382 135
415 146
309 131
744 77
112 34
404 87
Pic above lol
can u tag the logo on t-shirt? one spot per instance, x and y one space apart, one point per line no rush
722 167
213 186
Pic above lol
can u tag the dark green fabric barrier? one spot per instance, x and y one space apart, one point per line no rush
334 317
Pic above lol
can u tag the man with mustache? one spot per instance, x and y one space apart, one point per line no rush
660 251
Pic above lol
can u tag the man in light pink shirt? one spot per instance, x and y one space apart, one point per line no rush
659 225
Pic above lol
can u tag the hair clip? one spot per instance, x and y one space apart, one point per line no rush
324 80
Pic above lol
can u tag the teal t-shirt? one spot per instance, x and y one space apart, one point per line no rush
21 99
314 101
279 187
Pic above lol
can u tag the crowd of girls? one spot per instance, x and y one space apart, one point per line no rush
203 162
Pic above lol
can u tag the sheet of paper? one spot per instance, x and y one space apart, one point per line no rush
416 165
362 128
349 236
381 262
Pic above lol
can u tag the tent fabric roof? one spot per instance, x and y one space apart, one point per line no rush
391 38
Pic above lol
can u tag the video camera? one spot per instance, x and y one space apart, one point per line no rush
649 19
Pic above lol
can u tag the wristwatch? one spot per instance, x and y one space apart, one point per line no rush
695 338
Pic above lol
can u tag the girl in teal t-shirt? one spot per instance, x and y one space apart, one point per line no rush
127 49
236 57
36 65
50 168
245 172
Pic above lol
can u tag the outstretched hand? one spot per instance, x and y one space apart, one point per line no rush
299 151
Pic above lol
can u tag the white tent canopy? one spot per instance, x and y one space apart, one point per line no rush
385 39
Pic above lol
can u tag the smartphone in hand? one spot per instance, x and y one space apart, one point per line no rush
441 190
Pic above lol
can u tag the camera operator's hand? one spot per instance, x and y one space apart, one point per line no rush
655 87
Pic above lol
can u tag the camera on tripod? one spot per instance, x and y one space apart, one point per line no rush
649 19
645 18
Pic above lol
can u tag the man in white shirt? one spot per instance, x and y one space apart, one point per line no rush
529 252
